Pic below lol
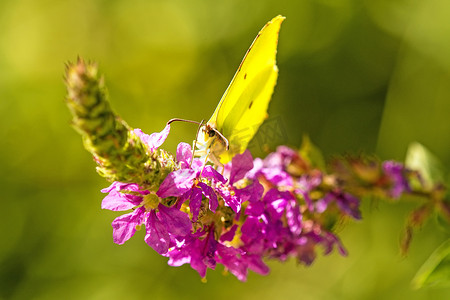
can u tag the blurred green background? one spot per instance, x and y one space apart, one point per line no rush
356 75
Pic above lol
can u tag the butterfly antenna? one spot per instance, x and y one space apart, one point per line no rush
195 141
182 120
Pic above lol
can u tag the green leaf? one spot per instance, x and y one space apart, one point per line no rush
436 269
310 152
419 158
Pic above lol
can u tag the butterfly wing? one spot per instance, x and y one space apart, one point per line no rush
243 106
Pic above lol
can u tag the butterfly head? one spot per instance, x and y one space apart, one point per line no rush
211 143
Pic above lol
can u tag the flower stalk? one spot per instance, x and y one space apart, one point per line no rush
119 153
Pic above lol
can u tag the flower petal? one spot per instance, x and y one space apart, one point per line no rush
154 140
252 227
209 249
175 221
184 154
277 177
231 258
229 235
118 201
294 217
124 226
240 165
157 236
177 183
256 264
195 202
157 139
396 173
118 186
211 173
349 204
210 194
231 198
190 252
255 209
252 193
276 202
111 187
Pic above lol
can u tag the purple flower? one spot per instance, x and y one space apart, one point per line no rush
347 203
283 157
270 222
396 173
202 251
233 196
194 182
307 183
161 223
274 167
305 248
287 217
238 262
274 174
198 250
187 184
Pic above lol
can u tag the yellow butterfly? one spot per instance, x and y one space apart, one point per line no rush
243 106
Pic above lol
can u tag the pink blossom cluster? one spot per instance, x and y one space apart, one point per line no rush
277 207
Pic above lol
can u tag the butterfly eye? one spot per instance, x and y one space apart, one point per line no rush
209 130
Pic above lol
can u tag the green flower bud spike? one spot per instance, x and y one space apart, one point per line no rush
119 153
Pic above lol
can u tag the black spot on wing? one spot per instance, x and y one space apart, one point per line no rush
245 76
250 105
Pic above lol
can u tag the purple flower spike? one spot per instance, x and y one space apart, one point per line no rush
279 207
